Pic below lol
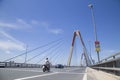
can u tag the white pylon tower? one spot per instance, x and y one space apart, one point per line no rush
77 33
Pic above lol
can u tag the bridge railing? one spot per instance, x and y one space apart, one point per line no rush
110 64
107 68
111 57
18 65
112 70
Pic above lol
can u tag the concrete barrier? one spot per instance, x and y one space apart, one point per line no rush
93 74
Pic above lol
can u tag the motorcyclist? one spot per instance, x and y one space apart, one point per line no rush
47 63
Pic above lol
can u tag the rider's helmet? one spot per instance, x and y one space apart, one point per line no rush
46 58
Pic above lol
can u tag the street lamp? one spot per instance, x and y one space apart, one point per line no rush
97 43
26 53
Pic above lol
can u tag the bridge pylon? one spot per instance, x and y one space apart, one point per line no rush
77 33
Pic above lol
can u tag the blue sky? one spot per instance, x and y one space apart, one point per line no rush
37 22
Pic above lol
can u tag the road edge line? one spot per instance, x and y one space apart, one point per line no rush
85 75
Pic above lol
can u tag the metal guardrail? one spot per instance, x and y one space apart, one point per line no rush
112 56
107 61
18 65
112 70
107 68
110 64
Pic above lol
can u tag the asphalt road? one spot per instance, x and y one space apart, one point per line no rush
37 74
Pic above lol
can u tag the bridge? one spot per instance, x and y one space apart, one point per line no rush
106 69
31 31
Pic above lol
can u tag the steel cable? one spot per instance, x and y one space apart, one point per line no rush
32 50
42 52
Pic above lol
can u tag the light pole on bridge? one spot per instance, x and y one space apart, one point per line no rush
26 54
97 43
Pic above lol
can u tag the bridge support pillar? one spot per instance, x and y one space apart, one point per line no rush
77 33
70 56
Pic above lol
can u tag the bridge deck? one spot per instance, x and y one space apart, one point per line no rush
37 74
55 74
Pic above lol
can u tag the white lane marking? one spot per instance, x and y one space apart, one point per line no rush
85 75
23 70
36 76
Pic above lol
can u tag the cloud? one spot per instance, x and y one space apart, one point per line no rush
22 24
7 25
47 27
34 22
9 37
9 45
55 31
40 23
8 52
18 24
7 42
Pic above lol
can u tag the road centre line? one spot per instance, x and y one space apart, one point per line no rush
36 76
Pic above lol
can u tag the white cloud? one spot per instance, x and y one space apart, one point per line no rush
47 27
9 43
34 22
44 24
8 52
40 23
18 24
9 37
7 25
22 24
55 31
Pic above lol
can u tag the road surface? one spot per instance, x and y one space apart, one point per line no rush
37 74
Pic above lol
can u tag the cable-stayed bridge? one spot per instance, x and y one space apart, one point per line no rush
85 70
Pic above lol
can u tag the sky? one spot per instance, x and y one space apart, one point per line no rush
37 22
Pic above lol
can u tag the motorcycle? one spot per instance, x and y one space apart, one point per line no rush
46 68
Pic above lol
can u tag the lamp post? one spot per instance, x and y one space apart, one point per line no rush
26 53
97 43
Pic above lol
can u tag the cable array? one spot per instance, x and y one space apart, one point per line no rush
33 50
